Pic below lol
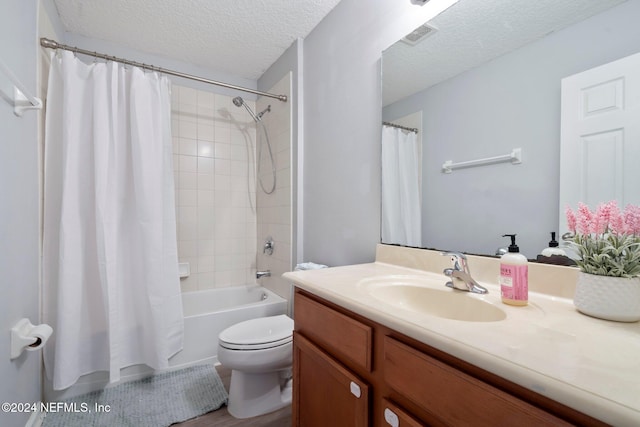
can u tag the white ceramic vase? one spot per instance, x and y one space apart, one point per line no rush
610 298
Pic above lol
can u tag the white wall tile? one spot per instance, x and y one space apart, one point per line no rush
206 165
223 151
188 147
188 198
205 99
223 183
206 281
189 284
206 148
206 181
206 264
214 163
222 166
205 131
187 181
187 231
188 96
188 129
205 198
187 214
222 133
206 247
188 163
187 112
188 249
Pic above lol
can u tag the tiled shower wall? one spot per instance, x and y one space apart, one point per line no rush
214 150
222 220
275 210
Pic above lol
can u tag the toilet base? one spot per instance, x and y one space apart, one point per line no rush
253 394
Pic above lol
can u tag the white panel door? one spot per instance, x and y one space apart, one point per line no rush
600 136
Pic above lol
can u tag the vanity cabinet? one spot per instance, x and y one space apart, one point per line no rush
351 371
327 393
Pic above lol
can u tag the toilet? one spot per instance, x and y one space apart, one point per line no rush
259 353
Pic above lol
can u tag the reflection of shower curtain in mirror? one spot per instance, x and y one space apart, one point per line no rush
401 223
110 270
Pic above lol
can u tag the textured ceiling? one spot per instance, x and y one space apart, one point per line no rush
473 32
238 37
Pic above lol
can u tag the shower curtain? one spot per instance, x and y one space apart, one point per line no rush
110 268
401 213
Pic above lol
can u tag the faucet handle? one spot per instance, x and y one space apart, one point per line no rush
267 248
458 259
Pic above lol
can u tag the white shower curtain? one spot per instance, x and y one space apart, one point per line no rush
110 268
401 222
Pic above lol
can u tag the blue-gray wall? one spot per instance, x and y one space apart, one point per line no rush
512 101
19 207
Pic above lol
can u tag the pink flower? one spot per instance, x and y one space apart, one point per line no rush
601 221
616 221
607 218
571 219
585 217
632 219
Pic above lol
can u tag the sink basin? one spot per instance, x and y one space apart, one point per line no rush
424 295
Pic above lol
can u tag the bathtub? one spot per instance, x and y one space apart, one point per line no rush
206 314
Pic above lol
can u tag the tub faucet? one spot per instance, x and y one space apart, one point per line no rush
460 275
265 273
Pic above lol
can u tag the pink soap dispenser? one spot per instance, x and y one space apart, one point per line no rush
514 275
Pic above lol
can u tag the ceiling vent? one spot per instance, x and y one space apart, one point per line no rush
419 34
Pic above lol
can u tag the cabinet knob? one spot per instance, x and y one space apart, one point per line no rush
391 418
355 389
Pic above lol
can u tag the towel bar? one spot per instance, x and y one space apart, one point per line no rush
515 157
22 101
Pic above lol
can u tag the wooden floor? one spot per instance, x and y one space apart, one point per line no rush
222 418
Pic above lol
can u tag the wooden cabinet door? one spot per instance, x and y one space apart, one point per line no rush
324 392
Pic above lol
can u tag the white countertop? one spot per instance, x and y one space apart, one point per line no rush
588 364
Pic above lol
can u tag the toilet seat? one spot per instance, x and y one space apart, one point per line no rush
257 334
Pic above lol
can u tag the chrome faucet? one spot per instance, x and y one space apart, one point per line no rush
265 273
460 275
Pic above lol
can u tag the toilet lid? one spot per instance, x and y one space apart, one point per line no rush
254 334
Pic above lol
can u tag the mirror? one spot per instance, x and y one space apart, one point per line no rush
485 82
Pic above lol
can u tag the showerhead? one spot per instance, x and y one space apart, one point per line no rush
239 102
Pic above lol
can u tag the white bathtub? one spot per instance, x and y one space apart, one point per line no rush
206 314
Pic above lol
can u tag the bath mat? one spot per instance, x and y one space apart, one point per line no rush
157 401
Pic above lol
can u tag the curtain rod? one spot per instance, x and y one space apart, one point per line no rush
415 130
52 44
